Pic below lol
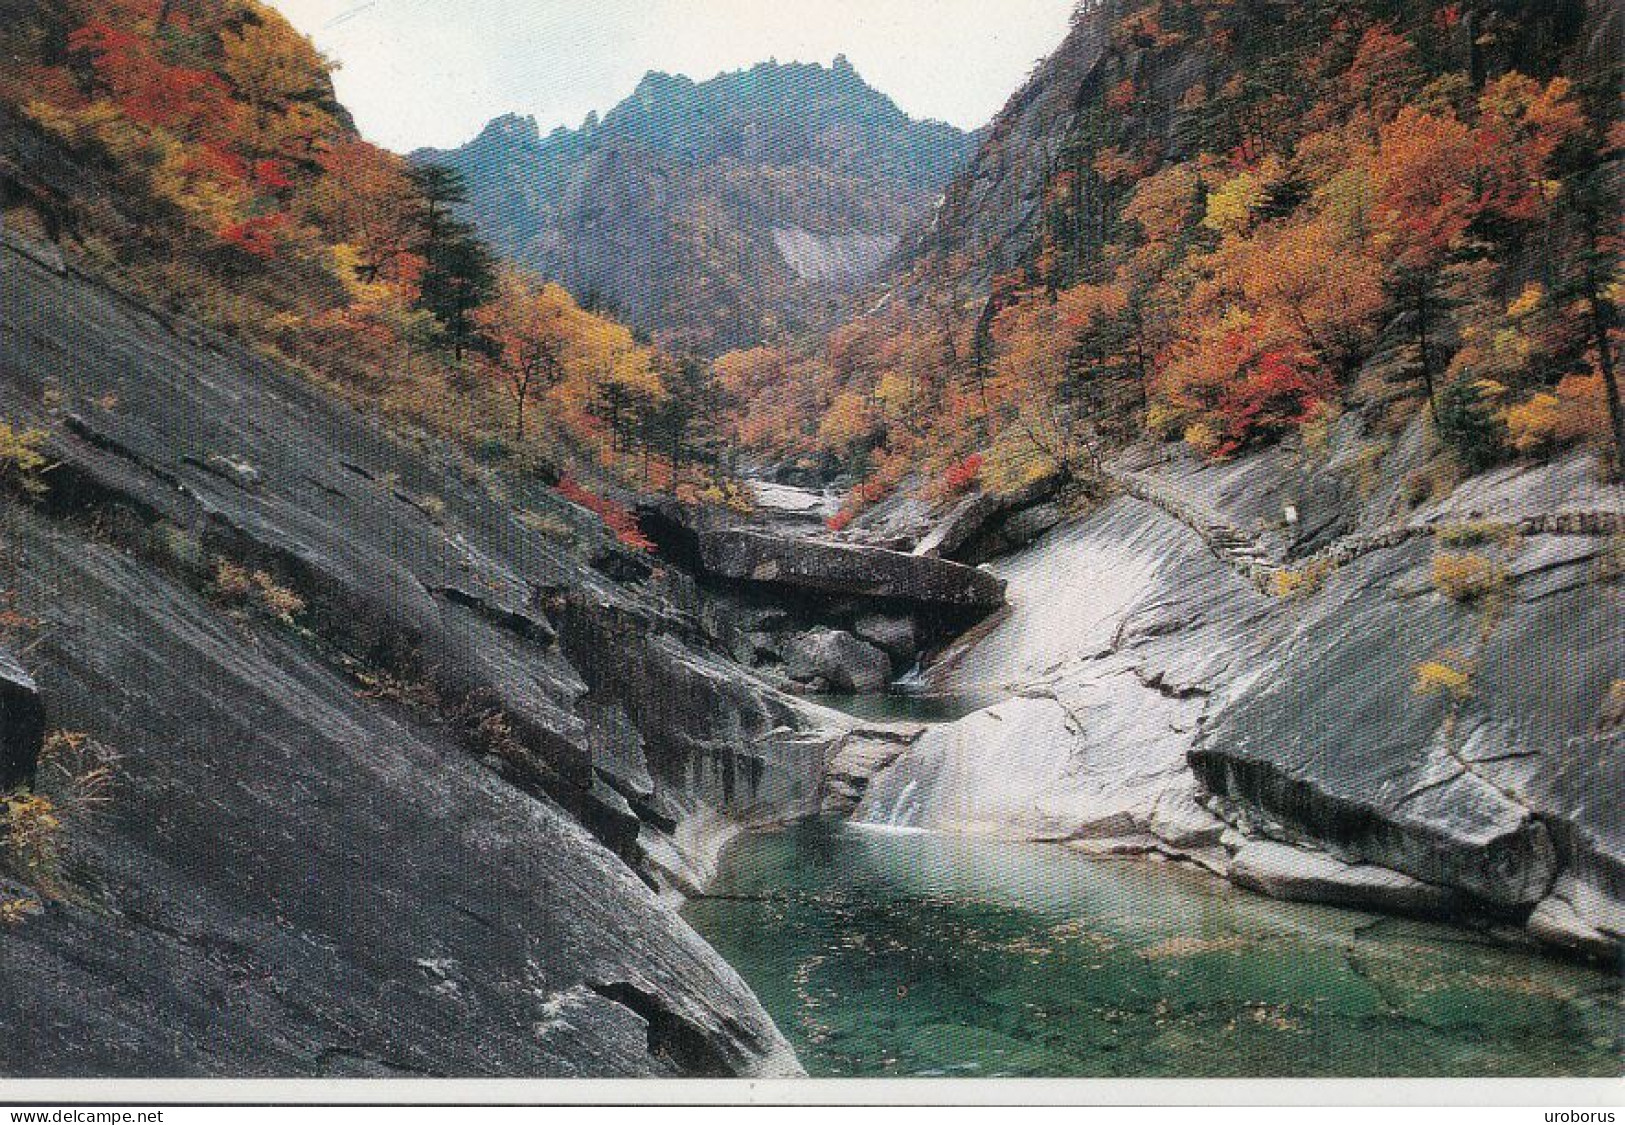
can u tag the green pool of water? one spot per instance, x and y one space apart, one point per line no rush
897 955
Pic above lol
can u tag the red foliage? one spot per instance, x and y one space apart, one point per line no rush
149 90
961 475
218 163
839 521
271 175
107 42
870 492
176 95
1121 96
1280 390
256 235
617 517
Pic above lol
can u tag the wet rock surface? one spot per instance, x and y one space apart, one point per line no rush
396 822
860 756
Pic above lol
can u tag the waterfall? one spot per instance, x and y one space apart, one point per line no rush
912 681
899 812
898 817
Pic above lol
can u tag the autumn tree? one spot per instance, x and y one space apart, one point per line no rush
284 82
528 328
366 200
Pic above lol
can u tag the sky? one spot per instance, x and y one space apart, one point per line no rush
429 72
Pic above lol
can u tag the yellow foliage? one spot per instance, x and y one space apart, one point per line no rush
1532 426
1467 577
1013 462
32 825
1230 207
1434 677
1527 301
1201 437
21 462
847 420
1304 582
14 910
1165 420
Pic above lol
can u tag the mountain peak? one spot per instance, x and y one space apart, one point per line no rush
658 82
686 204
511 128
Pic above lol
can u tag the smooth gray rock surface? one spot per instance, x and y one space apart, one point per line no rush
1577 916
1162 696
410 830
1300 875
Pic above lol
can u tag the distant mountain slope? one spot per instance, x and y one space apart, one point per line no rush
717 213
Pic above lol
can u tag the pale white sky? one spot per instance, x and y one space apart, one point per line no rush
433 72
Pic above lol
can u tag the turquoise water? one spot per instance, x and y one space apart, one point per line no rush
884 954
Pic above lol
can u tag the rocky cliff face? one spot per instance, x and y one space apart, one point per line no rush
714 213
990 211
1309 745
384 799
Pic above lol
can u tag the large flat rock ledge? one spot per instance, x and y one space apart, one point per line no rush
753 556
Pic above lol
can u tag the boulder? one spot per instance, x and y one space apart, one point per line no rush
981 514
897 635
22 723
1028 524
840 660
963 522
752 556
1579 917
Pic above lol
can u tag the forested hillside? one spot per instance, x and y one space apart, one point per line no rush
1232 222
195 152
714 214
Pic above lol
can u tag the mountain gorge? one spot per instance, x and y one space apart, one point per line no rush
714 214
388 646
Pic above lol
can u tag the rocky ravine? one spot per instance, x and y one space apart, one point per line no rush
418 818
1161 700
400 780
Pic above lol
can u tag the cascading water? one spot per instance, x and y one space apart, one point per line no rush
898 815
911 682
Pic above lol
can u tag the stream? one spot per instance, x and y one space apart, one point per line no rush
882 950
901 953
